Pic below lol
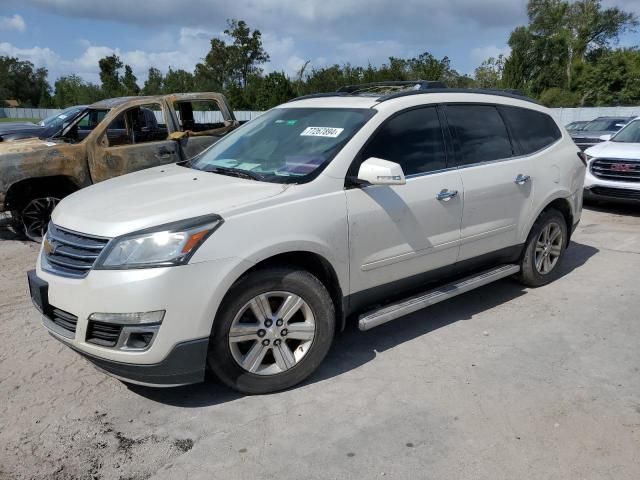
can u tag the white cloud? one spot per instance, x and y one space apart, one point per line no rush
40 57
15 22
480 54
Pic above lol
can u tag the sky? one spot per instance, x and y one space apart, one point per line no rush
70 36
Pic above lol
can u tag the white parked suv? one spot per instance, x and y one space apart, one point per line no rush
248 258
613 171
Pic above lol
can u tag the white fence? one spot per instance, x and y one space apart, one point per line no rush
40 113
564 115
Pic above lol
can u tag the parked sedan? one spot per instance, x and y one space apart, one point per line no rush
49 127
591 133
614 166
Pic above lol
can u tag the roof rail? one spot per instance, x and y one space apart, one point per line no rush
414 85
509 93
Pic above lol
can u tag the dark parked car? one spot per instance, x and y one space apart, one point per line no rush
592 131
47 128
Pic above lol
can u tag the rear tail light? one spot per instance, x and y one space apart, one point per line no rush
583 157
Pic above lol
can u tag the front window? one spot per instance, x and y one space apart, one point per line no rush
84 125
284 145
629 134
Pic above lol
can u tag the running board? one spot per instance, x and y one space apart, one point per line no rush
391 312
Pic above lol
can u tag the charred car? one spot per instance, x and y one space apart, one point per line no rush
107 139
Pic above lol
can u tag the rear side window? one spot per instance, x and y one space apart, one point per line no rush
480 132
413 139
532 131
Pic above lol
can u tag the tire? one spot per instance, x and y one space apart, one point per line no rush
251 355
544 250
32 218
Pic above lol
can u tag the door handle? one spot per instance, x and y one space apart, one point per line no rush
164 153
522 179
446 195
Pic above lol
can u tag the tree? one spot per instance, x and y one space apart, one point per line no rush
246 53
129 82
153 84
177 81
489 73
216 72
72 90
557 41
110 75
611 79
21 81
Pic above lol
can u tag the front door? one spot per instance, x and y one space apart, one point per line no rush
136 139
400 233
498 186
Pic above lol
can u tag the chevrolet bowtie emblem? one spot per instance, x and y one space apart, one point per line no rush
49 247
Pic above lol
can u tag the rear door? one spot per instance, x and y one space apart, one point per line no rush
136 139
206 117
398 234
498 184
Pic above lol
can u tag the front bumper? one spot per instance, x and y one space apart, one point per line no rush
599 189
189 295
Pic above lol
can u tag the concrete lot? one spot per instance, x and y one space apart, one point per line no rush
502 383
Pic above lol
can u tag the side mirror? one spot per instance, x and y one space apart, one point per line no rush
605 138
381 172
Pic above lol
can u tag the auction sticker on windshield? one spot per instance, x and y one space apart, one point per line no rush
329 132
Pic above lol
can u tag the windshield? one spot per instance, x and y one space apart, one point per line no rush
629 134
604 125
284 145
59 118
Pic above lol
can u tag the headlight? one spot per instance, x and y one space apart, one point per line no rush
166 245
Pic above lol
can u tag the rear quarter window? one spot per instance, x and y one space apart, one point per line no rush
531 130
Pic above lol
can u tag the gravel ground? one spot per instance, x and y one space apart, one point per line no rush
501 383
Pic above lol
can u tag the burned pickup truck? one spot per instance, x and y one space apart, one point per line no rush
110 138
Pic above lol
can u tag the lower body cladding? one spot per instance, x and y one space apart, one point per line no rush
93 316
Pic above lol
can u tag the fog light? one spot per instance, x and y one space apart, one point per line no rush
139 318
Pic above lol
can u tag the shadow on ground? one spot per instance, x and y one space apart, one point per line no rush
6 230
353 348
613 207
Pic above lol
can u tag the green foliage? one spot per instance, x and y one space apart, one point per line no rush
153 84
612 79
110 75
489 74
177 81
72 90
557 97
20 80
129 82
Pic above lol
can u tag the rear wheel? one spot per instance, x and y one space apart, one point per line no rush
273 331
544 249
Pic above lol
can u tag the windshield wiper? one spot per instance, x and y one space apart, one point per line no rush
236 172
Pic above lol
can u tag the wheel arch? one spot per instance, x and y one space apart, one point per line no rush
21 189
560 203
313 262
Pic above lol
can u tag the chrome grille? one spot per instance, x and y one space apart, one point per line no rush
70 254
616 169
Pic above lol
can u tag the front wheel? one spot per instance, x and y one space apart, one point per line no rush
272 331
544 250
32 218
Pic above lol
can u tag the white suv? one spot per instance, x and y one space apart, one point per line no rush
249 257
614 166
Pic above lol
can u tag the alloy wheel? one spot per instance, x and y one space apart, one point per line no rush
272 333
548 248
35 217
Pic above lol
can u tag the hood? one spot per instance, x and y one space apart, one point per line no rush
623 150
32 144
594 135
154 197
